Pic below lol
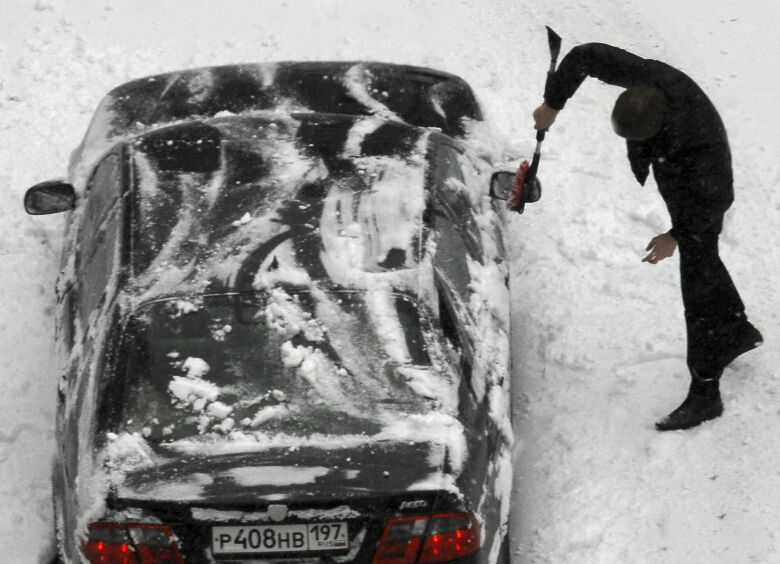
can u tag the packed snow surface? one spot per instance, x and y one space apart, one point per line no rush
598 337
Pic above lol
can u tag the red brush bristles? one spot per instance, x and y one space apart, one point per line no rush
516 195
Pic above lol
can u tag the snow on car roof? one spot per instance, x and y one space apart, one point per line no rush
292 197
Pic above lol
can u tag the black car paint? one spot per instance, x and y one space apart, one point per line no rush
382 501
379 491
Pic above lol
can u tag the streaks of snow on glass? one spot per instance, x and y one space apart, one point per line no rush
265 414
194 391
384 317
355 81
358 133
284 314
359 229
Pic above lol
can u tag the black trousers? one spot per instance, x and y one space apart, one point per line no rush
713 309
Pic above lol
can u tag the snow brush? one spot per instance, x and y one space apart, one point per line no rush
526 174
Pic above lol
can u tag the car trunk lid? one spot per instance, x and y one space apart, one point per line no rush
213 504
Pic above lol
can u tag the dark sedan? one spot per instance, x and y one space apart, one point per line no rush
283 317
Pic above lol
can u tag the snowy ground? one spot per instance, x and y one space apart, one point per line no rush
599 337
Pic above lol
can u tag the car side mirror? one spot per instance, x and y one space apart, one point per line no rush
501 187
501 184
52 196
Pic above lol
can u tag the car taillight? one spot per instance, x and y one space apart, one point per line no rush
131 543
448 536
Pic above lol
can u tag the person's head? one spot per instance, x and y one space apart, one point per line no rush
639 113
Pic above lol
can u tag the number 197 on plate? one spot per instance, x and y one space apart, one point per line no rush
263 539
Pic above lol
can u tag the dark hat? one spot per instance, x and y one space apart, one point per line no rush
639 113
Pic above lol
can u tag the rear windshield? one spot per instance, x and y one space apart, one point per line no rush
285 364
208 197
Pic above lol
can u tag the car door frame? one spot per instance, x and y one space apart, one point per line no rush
87 342
483 450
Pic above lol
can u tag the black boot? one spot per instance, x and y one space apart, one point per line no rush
702 404
737 341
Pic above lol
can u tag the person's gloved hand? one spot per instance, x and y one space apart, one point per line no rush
661 246
544 116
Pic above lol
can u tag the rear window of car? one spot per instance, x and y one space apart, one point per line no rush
276 176
285 363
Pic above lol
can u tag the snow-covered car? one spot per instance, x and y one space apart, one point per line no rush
283 322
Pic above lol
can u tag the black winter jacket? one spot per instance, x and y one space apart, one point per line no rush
690 155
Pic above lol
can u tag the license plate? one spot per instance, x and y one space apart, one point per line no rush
268 539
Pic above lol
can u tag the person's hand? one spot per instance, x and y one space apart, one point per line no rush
544 116
661 246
